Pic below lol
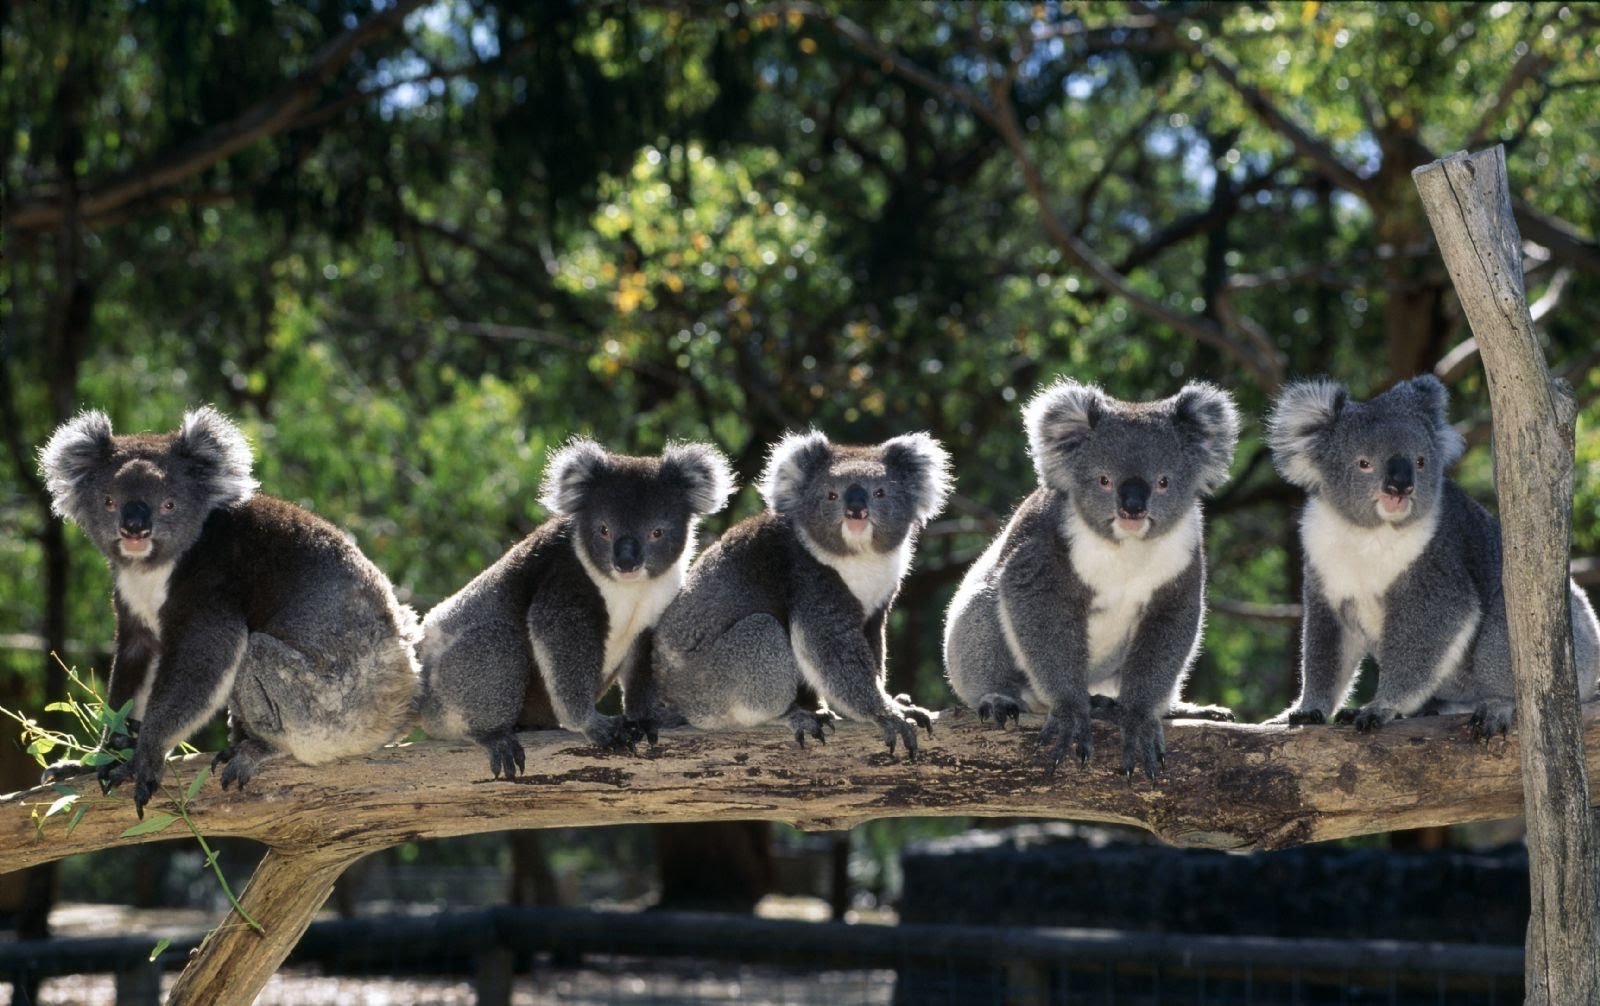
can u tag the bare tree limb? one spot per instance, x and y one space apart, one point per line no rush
268 117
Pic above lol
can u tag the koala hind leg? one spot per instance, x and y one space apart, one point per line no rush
473 686
745 676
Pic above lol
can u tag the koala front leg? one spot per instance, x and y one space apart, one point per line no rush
135 652
839 662
642 704
1415 656
1330 655
1045 625
1160 650
191 685
568 651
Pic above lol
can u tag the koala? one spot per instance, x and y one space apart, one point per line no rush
798 596
1090 602
1400 564
227 597
567 611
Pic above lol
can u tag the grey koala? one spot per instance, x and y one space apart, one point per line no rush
1400 564
224 596
798 596
1097 583
538 637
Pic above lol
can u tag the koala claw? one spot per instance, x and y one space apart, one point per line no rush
1368 718
241 760
1143 747
1309 717
818 724
505 753
901 725
1490 718
613 733
1066 733
1001 707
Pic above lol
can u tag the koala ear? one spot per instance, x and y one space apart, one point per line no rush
1434 400
1209 422
216 455
704 470
1059 420
793 461
570 474
919 460
1305 413
74 451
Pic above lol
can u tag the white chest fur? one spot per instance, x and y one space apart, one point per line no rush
1358 564
143 590
871 576
632 607
1124 575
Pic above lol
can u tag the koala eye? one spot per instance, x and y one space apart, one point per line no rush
1162 483
832 495
605 530
656 533
1420 461
167 506
1364 464
877 494
1105 482
111 504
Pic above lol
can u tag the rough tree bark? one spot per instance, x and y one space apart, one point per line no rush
1228 786
1468 201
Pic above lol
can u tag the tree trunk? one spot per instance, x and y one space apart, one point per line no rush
1469 203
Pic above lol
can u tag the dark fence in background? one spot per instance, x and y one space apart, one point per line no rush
645 957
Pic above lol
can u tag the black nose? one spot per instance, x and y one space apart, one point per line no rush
855 503
1399 477
136 519
626 554
1133 498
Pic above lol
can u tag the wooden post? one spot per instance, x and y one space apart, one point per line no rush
1468 202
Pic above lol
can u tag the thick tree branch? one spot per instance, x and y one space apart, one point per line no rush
267 117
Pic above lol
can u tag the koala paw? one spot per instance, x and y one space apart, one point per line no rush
648 729
920 716
900 723
1001 707
1063 732
1103 707
1303 717
817 723
505 752
240 761
146 779
1492 717
1369 717
613 733
1191 711
1143 746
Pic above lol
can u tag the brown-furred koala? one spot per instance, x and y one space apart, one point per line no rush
226 597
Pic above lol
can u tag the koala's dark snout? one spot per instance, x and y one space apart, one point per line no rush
135 519
1398 477
626 554
855 502
1133 498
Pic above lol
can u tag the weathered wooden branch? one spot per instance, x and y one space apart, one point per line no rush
1227 786
1468 201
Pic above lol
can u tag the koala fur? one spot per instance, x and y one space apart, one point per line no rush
1097 583
1400 564
226 597
798 596
571 605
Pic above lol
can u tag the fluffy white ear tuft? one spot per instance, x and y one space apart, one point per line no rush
73 452
1059 420
1209 422
570 474
217 455
704 470
921 462
1305 413
792 463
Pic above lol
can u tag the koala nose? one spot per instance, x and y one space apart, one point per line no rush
626 554
1398 477
1133 498
136 519
855 503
